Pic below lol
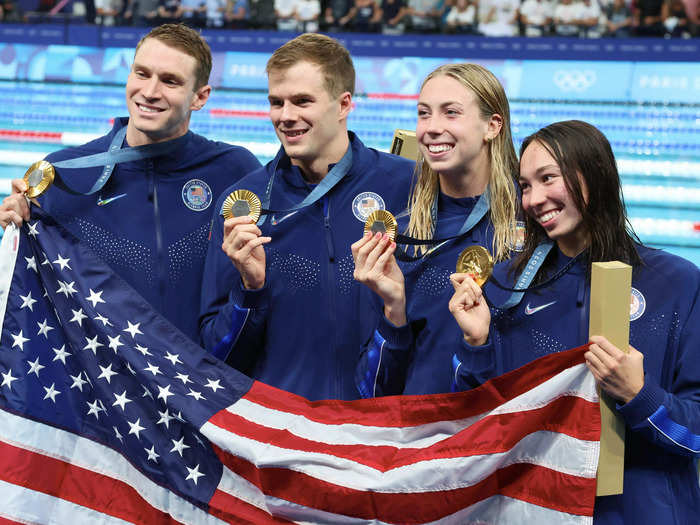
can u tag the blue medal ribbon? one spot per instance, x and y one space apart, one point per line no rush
533 266
113 156
332 178
478 212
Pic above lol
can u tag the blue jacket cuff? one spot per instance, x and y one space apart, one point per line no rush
476 357
644 404
395 336
250 298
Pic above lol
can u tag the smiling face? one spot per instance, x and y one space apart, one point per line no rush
161 94
451 132
547 200
310 122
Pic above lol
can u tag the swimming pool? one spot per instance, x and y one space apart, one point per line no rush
657 146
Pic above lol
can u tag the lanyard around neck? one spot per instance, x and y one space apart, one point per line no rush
113 156
333 177
477 213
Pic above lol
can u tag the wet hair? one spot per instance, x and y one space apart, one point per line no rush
327 53
584 157
503 163
187 40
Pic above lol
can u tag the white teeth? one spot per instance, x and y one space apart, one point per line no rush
439 148
548 216
294 133
148 110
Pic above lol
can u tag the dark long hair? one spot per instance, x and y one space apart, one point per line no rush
584 154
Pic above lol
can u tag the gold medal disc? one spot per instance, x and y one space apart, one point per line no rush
477 261
38 178
381 221
240 203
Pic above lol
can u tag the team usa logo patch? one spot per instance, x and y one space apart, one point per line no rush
197 195
637 305
364 204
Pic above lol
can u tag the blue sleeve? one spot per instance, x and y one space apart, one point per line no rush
670 417
473 365
384 359
231 319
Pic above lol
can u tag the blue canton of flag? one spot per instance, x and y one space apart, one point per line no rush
83 353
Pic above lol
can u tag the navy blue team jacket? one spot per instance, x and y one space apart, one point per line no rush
303 330
150 222
416 358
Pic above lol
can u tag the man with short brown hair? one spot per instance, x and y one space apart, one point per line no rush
278 297
150 219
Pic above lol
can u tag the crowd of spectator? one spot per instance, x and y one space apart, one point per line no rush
532 18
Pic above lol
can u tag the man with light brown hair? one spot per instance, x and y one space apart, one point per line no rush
278 299
150 218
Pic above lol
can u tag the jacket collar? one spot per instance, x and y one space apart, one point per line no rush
292 175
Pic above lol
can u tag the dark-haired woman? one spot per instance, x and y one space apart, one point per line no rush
571 197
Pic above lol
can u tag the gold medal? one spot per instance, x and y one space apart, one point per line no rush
38 178
381 221
476 261
240 203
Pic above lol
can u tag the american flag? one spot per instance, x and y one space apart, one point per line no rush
108 414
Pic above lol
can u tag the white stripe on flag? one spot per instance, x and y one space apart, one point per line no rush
8 256
548 449
238 487
85 453
580 384
504 510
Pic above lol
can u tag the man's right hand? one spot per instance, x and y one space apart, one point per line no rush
243 243
15 207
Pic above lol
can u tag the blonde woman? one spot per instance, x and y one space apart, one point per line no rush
464 188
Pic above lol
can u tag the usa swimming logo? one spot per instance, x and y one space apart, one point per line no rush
637 304
197 195
365 203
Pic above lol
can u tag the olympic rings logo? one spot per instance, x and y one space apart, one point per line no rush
574 80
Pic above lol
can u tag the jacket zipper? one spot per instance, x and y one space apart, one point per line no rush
331 288
161 263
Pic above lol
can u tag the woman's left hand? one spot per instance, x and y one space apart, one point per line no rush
618 373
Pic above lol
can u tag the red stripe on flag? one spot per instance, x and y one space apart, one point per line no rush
76 484
525 482
567 415
5 521
234 510
403 411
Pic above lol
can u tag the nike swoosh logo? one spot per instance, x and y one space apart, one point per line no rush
530 311
275 220
102 202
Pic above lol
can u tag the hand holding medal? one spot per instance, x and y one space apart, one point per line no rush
376 267
468 305
15 207
243 240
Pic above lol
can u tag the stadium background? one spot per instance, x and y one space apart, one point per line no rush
62 84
